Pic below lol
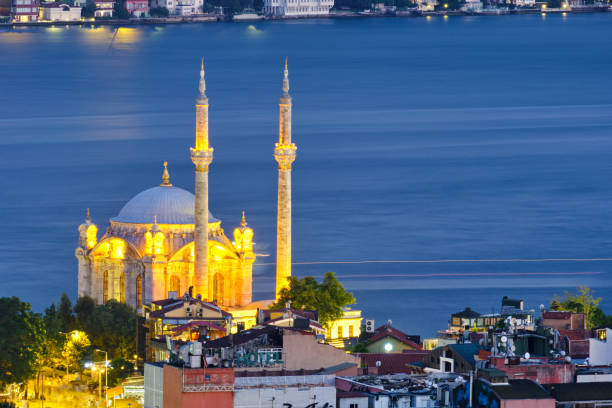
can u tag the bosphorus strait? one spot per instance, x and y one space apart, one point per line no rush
436 156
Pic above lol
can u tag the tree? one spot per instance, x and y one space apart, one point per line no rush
582 302
84 309
110 327
328 297
65 313
75 346
89 10
120 369
159 12
19 340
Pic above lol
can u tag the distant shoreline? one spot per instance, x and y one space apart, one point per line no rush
337 15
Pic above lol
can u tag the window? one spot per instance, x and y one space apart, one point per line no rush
139 291
353 405
340 332
351 331
105 287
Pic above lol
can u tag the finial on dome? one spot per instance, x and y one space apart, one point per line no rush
87 217
155 228
243 223
166 176
286 79
202 86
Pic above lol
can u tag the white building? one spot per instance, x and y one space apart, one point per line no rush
600 349
524 3
281 391
297 8
472 5
59 12
180 7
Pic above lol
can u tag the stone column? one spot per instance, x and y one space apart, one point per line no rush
202 156
284 154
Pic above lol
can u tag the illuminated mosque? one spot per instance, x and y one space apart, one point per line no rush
165 242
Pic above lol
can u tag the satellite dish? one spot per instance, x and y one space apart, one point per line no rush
504 339
562 352
568 359
542 307
378 363
512 347
527 356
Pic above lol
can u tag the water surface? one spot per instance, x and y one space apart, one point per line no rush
471 138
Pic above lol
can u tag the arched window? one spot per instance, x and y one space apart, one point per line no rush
105 288
139 291
122 287
218 287
174 285
340 332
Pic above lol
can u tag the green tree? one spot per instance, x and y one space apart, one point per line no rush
581 302
159 12
360 348
65 313
111 327
19 340
89 10
328 297
119 371
75 346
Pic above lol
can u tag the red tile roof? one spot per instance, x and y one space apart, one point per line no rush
557 315
391 363
388 331
573 335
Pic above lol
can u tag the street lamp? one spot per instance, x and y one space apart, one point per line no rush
105 376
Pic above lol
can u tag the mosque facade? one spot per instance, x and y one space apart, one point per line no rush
164 241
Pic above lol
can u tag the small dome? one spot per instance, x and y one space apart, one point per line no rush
171 205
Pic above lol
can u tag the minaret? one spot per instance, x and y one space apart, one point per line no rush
284 153
202 156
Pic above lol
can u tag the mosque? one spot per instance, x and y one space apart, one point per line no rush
165 242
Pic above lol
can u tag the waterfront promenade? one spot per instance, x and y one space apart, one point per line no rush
211 17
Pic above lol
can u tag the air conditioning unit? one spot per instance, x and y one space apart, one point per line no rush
369 326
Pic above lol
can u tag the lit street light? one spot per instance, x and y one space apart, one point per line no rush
105 376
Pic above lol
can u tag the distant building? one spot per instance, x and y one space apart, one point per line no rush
508 394
562 320
464 320
273 347
582 395
297 8
59 12
104 8
387 339
540 370
20 11
137 8
345 330
453 358
180 7
408 362
600 348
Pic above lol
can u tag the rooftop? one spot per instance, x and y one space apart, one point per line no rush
467 313
520 390
595 391
388 331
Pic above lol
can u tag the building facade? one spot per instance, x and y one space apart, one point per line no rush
24 11
180 7
297 8
59 12
137 8
104 8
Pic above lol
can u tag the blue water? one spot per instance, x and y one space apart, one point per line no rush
460 138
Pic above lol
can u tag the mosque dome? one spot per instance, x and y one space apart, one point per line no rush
171 205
